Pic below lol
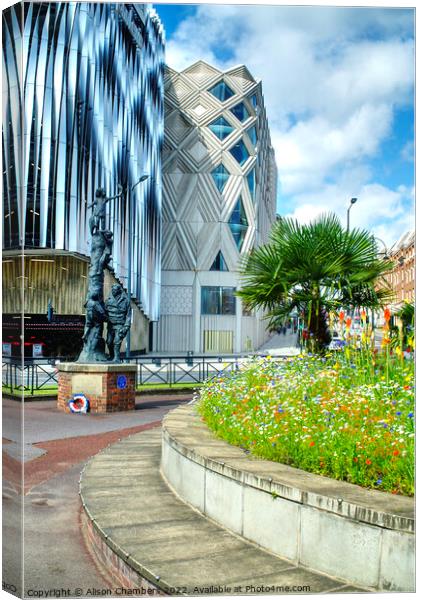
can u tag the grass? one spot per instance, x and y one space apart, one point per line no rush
348 415
44 391
153 387
166 386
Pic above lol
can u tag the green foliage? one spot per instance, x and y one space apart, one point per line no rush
348 415
315 269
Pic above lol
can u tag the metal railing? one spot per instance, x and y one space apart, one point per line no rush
37 376
29 377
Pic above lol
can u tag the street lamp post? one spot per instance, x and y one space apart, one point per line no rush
352 202
385 257
129 258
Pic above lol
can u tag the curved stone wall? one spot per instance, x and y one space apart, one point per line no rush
365 537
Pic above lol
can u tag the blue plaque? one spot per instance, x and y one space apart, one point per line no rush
121 382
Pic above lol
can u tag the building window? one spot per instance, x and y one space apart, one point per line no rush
240 111
221 91
220 176
239 152
221 128
238 224
219 263
252 134
218 300
251 180
253 100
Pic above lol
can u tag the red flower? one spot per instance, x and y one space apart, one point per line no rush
395 452
341 316
368 461
311 443
386 315
348 322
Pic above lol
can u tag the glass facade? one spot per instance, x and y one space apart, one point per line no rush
219 263
251 180
240 111
240 152
218 300
252 133
221 128
221 91
220 176
238 223
88 80
253 100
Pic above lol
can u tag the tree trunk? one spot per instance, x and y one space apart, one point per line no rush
320 336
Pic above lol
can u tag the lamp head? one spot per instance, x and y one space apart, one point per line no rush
353 200
144 177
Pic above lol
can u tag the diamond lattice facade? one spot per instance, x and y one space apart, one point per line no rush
82 109
219 197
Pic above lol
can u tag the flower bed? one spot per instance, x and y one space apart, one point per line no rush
349 416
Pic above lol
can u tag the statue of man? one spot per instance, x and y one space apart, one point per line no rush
119 317
92 335
97 220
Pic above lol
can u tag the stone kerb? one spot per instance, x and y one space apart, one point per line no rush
108 387
365 537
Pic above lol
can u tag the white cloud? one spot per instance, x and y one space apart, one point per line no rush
378 208
308 151
407 152
332 79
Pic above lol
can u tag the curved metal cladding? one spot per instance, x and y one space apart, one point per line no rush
91 78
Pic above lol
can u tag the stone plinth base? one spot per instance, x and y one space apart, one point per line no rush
108 387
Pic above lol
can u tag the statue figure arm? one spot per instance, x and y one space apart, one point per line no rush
128 317
120 193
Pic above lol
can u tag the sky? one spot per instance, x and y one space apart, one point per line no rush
338 85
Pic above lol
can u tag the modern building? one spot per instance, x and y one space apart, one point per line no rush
82 109
219 196
402 277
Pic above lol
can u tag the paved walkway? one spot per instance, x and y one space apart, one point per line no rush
43 422
281 345
173 545
59 444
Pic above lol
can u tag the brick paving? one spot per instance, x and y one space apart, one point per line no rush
55 554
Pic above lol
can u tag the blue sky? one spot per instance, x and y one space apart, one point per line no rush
338 85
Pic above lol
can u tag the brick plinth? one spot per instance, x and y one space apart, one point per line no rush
98 382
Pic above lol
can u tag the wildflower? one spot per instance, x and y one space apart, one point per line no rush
368 461
395 452
379 481
411 415
311 444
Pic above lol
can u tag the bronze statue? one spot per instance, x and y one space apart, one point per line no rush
96 313
116 311
119 318
97 220
93 342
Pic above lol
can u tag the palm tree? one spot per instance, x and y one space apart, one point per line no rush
315 268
